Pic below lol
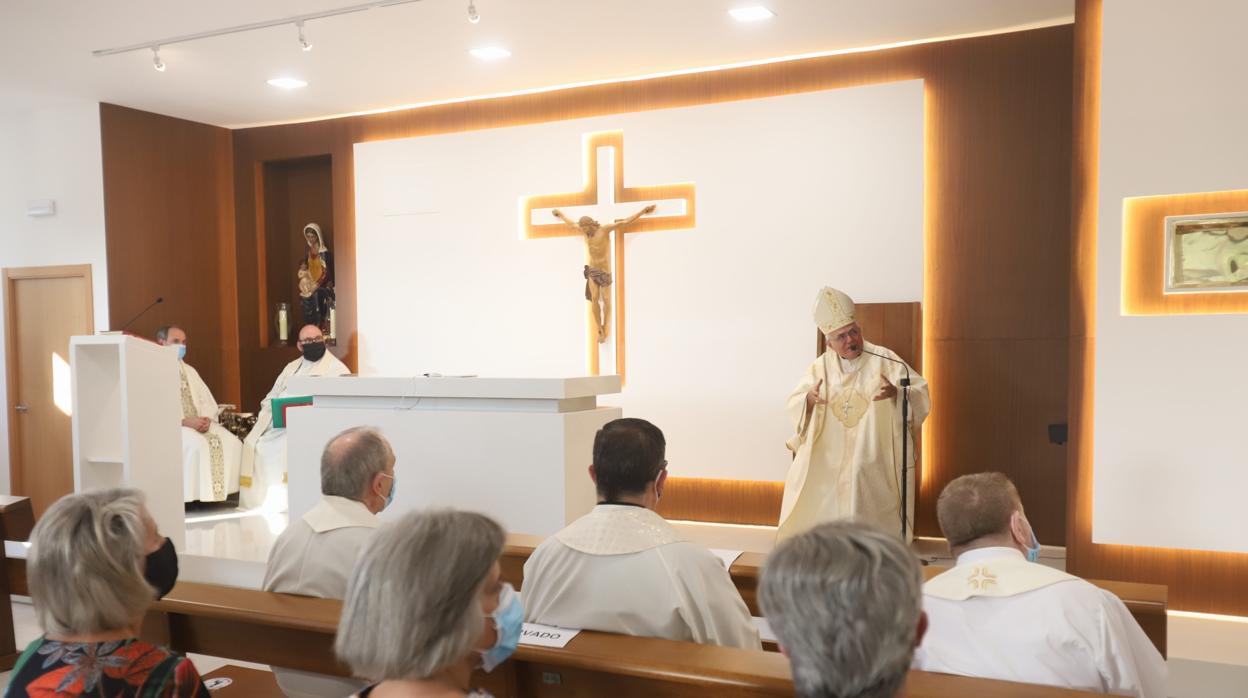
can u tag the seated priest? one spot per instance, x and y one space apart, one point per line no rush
313 556
264 450
1001 615
210 454
622 569
845 603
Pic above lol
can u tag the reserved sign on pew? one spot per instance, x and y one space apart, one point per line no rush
546 635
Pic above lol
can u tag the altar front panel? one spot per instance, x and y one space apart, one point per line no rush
528 470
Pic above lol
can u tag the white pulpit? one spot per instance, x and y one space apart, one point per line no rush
127 422
518 449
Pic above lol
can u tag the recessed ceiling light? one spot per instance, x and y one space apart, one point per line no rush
288 83
755 13
490 53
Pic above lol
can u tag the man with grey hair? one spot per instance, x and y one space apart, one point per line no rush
999 614
211 455
844 602
314 555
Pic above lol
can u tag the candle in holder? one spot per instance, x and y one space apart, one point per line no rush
283 322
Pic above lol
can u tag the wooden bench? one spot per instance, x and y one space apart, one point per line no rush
298 632
1147 602
17 518
244 683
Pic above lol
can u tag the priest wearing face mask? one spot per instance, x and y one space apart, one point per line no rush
999 614
210 453
313 556
263 477
96 563
623 569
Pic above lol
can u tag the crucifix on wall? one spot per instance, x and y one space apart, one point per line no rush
603 212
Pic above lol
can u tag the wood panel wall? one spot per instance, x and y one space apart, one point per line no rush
169 222
1199 581
997 227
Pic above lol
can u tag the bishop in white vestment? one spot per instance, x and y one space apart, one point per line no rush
623 569
210 453
997 615
847 445
264 451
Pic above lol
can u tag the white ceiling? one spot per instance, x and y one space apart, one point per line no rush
416 53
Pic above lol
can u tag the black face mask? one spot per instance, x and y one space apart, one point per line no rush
162 569
313 351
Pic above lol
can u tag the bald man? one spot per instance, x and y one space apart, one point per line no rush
263 478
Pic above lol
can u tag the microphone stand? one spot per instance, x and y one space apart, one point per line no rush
905 438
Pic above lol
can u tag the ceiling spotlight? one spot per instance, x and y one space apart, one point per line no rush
303 40
158 64
490 53
755 13
288 83
472 12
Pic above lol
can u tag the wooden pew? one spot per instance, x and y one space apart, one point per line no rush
1147 602
16 519
298 632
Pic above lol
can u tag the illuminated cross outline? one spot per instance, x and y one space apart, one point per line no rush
605 199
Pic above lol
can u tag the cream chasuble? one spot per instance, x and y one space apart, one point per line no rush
210 461
264 451
623 569
997 616
847 454
314 557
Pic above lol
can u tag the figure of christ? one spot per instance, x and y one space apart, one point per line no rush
597 271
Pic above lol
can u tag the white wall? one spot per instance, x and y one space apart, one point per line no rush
52 154
793 193
1171 453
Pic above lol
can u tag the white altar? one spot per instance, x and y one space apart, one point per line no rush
518 449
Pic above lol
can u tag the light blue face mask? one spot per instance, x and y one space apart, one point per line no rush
1033 550
508 621
181 351
394 483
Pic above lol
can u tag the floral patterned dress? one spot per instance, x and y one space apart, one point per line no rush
116 669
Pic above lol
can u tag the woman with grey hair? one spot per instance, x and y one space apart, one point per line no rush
96 563
845 603
426 606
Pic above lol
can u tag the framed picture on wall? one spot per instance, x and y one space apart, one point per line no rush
1207 252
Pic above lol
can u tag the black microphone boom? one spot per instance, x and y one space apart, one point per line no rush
905 432
158 301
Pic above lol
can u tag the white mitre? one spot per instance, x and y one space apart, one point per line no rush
833 309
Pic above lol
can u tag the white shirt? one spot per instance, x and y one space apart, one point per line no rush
1062 631
314 555
623 569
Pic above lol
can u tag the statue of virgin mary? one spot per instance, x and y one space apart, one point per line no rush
316 278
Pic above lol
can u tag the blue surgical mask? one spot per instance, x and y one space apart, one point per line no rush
181 351
390 497
508 621
1033 550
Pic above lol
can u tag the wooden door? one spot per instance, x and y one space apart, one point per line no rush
43 307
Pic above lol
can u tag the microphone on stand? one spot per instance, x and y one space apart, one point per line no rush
905 432
158 301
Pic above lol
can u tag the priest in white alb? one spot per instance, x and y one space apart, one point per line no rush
210 453
623 569
264 450
999 614
847 417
